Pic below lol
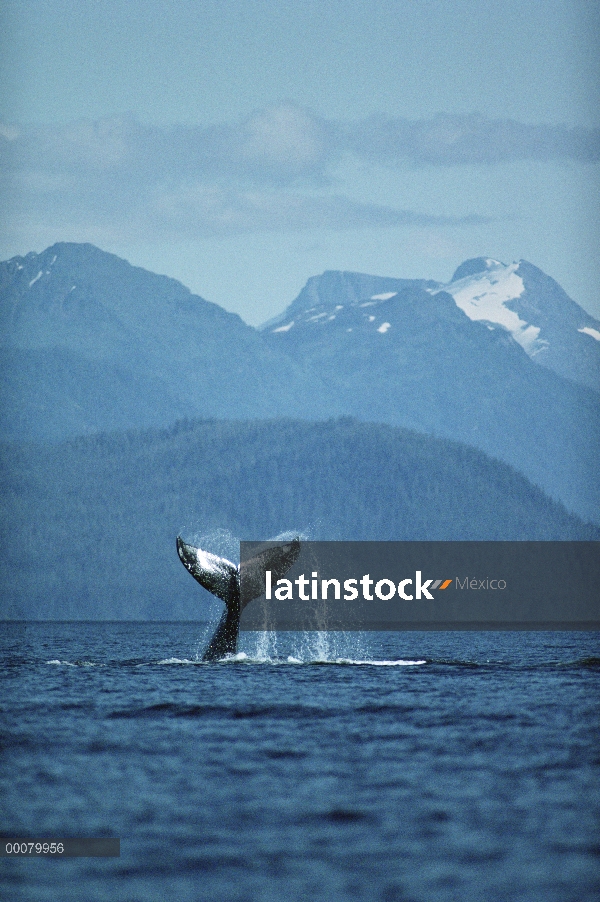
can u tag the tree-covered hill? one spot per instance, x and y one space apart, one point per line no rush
89 526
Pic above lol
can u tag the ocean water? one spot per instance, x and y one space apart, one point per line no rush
397 766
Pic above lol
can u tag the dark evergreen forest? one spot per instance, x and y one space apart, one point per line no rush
89 525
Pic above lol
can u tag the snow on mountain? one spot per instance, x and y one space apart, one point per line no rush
497 358
88 343
553 330
485 297
588 331
516 299
355 313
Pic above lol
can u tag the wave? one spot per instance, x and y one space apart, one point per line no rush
588 663
77 663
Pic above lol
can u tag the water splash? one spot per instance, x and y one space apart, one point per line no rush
303 647
218 541
201 643
224 543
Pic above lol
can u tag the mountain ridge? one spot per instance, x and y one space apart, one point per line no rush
558 333
94 519
90 343
188 356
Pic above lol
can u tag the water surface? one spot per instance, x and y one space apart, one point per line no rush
397 766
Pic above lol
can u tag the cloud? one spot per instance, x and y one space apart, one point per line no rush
284 136
274 170
282 144
213 211
459 140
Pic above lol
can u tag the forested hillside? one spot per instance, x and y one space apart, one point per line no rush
89 526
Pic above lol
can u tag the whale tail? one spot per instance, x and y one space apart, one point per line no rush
216 574
223 579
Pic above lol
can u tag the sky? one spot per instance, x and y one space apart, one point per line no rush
242 146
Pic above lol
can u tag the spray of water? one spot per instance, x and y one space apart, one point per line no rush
218 541
277 647
305 647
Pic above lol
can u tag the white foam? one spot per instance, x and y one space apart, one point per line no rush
291 659
381 663
176 661
587 330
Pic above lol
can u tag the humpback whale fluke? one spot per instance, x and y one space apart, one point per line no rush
222 578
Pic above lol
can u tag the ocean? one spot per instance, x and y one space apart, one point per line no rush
401 767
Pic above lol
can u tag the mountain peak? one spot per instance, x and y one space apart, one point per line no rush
474 266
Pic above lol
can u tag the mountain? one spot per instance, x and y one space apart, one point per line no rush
519 299
553 330
88 343
499 358
406 353
93 520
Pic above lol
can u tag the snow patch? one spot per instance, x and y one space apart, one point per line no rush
484 297
587 330
371 319
384 327
33 281
384 297
280 329
53 261
317 316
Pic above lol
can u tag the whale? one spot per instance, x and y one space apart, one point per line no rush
224 580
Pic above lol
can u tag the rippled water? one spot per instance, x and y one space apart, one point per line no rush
415 766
